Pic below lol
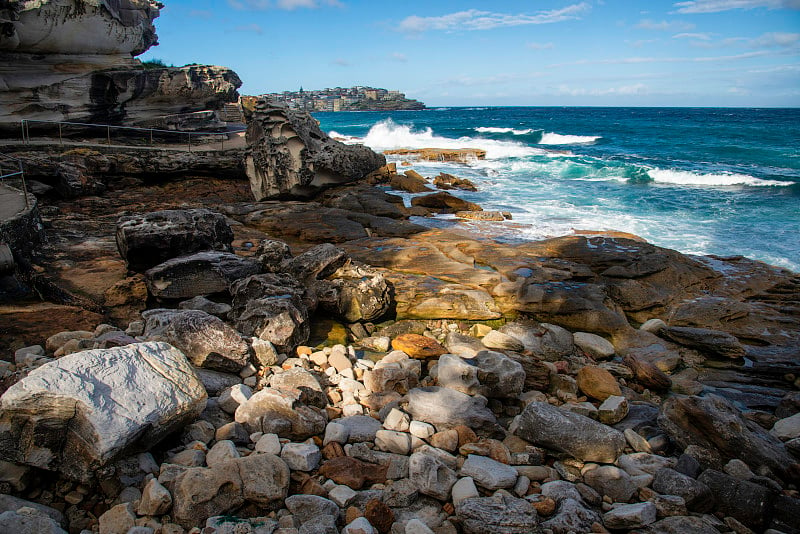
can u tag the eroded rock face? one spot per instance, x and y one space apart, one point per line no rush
73 60
149 239
202 273
289 156
78 413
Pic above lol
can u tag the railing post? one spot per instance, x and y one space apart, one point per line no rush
108 134
24 186
190 142
151 137
60 139
22 124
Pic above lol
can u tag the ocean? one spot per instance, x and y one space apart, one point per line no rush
723 181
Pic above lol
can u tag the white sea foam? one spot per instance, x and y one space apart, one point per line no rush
387 135
667 176
492 129
550 138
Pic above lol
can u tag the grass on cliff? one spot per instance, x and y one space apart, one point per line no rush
155 64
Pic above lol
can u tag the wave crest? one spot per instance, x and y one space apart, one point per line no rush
387 134
667 176
550 138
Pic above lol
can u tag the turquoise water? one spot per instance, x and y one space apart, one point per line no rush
701 181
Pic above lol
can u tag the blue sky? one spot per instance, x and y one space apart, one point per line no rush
539 52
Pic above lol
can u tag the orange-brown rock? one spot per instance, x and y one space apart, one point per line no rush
332 450
448 181
353 473
648 374
409 183
465 435
597 383
545 507
444 202
417 346
379 515
458 155
352 513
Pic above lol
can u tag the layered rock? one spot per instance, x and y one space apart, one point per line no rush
73 61
80 412
289 156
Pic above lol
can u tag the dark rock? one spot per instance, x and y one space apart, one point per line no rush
714 342
448 181
501 514
697 495
201 273
648 374
354 293
289 156
152 238
713 423
749 503
680 525
362 198
316 263
688 466
379 515
272 253
582 438
273 308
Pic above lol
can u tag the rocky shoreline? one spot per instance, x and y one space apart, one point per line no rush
262 340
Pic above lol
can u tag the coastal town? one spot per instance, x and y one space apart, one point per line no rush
358 98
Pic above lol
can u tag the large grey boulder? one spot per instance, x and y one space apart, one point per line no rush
289 156
447 408
151 238
207 341
583 438
546 341
430 475
500 514
80 412
201 273
713 423
456 373
29 521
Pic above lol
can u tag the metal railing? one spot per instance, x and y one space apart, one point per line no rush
10 168
150 137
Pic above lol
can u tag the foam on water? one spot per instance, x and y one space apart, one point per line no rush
491 129
387 135
667 176
550 138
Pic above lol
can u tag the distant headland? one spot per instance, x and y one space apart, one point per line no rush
358 98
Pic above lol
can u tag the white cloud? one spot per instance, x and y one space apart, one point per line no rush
694 36
397 56
625 90
715 6
281 4
664 25
474 19
775 39
341 62
539 46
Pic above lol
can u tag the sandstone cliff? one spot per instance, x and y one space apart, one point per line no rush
288 156
74 60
